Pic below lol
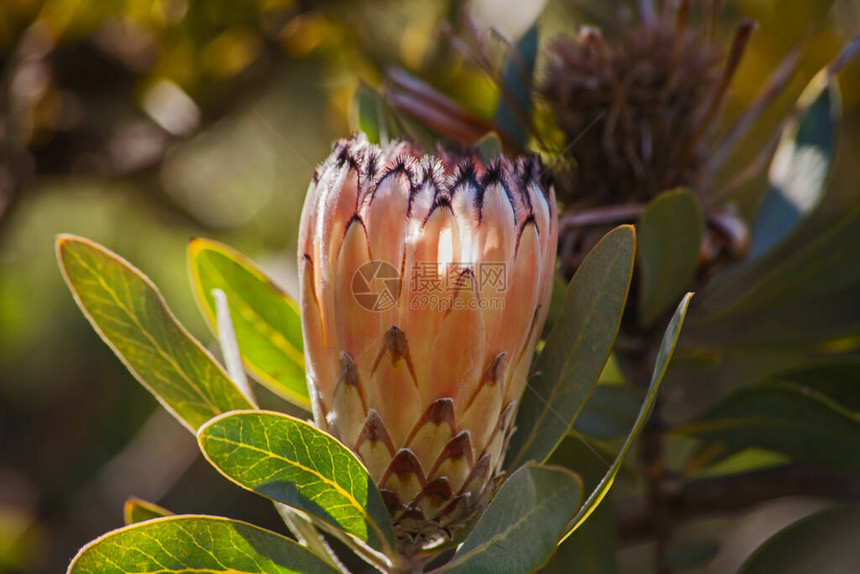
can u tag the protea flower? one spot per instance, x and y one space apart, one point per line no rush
425 282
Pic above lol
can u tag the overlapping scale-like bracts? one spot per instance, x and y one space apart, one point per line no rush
420 371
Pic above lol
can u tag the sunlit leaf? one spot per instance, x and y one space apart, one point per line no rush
576 349
520 528
799 172
664 356
670 234
137 510
128 312
747 460
591 550
826 542
195 544
266 321
786 418
293 462
370 115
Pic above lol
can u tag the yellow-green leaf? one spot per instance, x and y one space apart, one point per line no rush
266 321
195 544
137 510
128 312
370 115
293 462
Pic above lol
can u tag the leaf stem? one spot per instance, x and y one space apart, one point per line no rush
230 347
308 536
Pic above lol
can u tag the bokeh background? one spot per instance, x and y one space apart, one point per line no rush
143 123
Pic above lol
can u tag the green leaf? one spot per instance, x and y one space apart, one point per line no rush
838 381
290 461
824 543
798 301
590 458
513 116
826 264
801 164
370 114
267 323
664 356
128 312
137 510
592 546
824 324
746 460
489 146
520 528
786 418
591 549
556 303
576 349
609 412
670 235
189 544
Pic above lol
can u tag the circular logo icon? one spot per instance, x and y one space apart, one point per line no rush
376 286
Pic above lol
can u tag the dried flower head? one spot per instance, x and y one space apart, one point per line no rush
425 284
643 108
639 114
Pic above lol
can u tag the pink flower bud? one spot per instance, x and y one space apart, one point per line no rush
425 282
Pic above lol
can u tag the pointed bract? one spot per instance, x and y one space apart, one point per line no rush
425 283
